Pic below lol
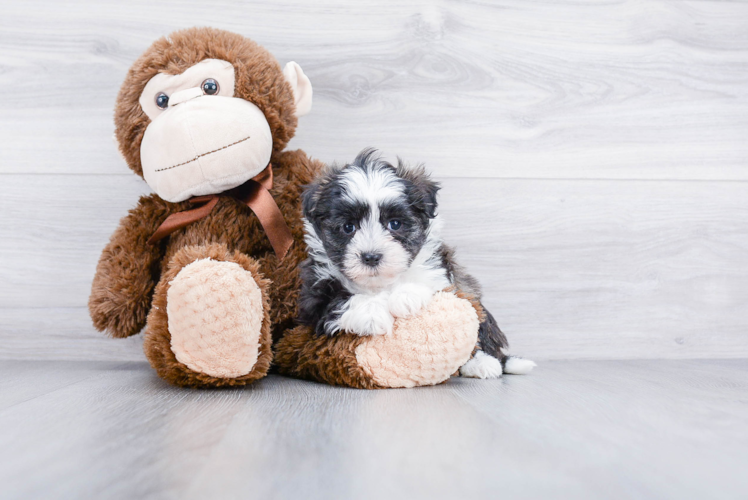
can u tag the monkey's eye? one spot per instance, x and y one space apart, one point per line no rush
162 100
210 87
349 228
394 224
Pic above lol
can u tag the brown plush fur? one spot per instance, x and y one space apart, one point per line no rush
129 270
157 344
332 360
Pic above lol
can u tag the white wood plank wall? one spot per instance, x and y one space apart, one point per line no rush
594 155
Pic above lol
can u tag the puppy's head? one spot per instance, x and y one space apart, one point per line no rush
370 218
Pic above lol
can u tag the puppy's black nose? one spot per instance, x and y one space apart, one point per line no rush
371 259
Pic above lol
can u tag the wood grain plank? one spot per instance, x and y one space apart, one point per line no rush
65 334
108 436
23 381
608 269
644 422
53 231
571 269
575 429
625 90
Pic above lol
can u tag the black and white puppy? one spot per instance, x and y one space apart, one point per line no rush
375 254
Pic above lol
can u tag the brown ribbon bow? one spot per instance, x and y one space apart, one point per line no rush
255 193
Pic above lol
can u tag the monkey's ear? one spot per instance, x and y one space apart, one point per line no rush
302 87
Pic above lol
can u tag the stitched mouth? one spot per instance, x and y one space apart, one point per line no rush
203 154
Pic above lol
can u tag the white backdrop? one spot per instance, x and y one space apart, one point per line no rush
594 155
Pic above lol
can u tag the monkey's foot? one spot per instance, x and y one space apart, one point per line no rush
214 315
424 349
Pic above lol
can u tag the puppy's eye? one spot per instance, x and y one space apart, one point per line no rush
210 87
394 225
162 100
349 228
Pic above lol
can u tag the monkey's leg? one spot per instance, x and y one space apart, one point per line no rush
423 349
209 324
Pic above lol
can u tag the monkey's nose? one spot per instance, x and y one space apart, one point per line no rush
371 259
184 95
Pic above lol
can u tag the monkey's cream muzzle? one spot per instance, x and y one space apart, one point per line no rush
204 145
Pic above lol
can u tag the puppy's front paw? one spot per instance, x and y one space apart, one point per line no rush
367 315
409 298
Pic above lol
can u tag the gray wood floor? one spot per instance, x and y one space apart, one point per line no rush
572 429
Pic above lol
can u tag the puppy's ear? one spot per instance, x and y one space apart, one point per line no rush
309 199
312 206
420 189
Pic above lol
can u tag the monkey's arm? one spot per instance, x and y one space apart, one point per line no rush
128 270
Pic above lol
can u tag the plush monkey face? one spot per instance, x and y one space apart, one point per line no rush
211 114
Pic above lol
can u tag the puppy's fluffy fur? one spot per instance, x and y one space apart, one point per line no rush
375 254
